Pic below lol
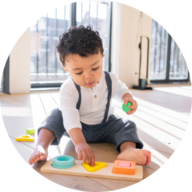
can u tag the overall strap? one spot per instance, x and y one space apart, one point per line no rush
109 86
79 91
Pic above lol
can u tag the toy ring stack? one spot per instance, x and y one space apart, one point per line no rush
63 162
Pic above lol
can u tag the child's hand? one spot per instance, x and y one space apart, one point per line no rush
134 104
85 152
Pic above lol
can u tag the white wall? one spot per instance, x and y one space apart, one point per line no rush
125 40
19 74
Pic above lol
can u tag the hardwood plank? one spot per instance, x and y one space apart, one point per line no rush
18 100
35 92
158 108
73 182
163 101
106 152
120 184
171 85
55 96
103 151
48 102
16 126
105 182
160 143
188 114
160 116
158 158
16 111
18 118
186 88
106 172
23 150
176 90
38 112
161 125
157 141
151 135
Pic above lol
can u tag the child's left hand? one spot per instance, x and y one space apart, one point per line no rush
134 104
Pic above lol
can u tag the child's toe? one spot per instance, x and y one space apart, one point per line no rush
148 160
42 156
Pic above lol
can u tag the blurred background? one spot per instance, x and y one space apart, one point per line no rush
117 24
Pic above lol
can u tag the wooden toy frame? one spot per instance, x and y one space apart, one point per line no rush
105 172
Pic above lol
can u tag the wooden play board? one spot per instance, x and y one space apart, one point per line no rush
105 172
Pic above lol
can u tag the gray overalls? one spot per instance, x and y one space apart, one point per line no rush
115 130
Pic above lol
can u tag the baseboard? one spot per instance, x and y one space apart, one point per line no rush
174 84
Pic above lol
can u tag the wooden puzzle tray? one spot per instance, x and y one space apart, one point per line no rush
105 172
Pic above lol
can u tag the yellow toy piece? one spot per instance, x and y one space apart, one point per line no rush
25 138
98 165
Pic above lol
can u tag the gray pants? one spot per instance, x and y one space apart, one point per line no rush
115 130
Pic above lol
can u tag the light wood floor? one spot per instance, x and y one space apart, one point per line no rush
161 118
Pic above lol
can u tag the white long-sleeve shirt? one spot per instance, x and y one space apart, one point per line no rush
93 101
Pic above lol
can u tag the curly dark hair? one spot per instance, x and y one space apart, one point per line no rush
79 40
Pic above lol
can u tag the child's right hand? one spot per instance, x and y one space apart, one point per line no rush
85 153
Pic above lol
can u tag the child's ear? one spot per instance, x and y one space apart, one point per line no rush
103 55
65 68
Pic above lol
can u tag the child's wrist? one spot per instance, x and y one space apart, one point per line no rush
77 136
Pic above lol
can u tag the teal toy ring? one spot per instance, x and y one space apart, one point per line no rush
63 162
126 107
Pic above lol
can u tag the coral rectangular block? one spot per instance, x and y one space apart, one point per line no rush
124 167
122 164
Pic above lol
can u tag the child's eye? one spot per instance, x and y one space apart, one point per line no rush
82 72
95 69
78 73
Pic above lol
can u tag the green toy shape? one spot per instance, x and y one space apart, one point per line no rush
30 131
126 107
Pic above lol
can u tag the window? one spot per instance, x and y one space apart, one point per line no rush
167 63
158 52
98 14
46 70
45 65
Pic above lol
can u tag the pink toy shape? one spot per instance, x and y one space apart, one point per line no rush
122 164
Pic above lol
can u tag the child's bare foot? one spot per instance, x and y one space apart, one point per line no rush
140 156
39 154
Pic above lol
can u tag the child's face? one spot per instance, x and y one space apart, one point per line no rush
85 71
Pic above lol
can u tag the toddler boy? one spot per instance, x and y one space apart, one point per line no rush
85 113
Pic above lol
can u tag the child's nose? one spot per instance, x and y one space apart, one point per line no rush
88 75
